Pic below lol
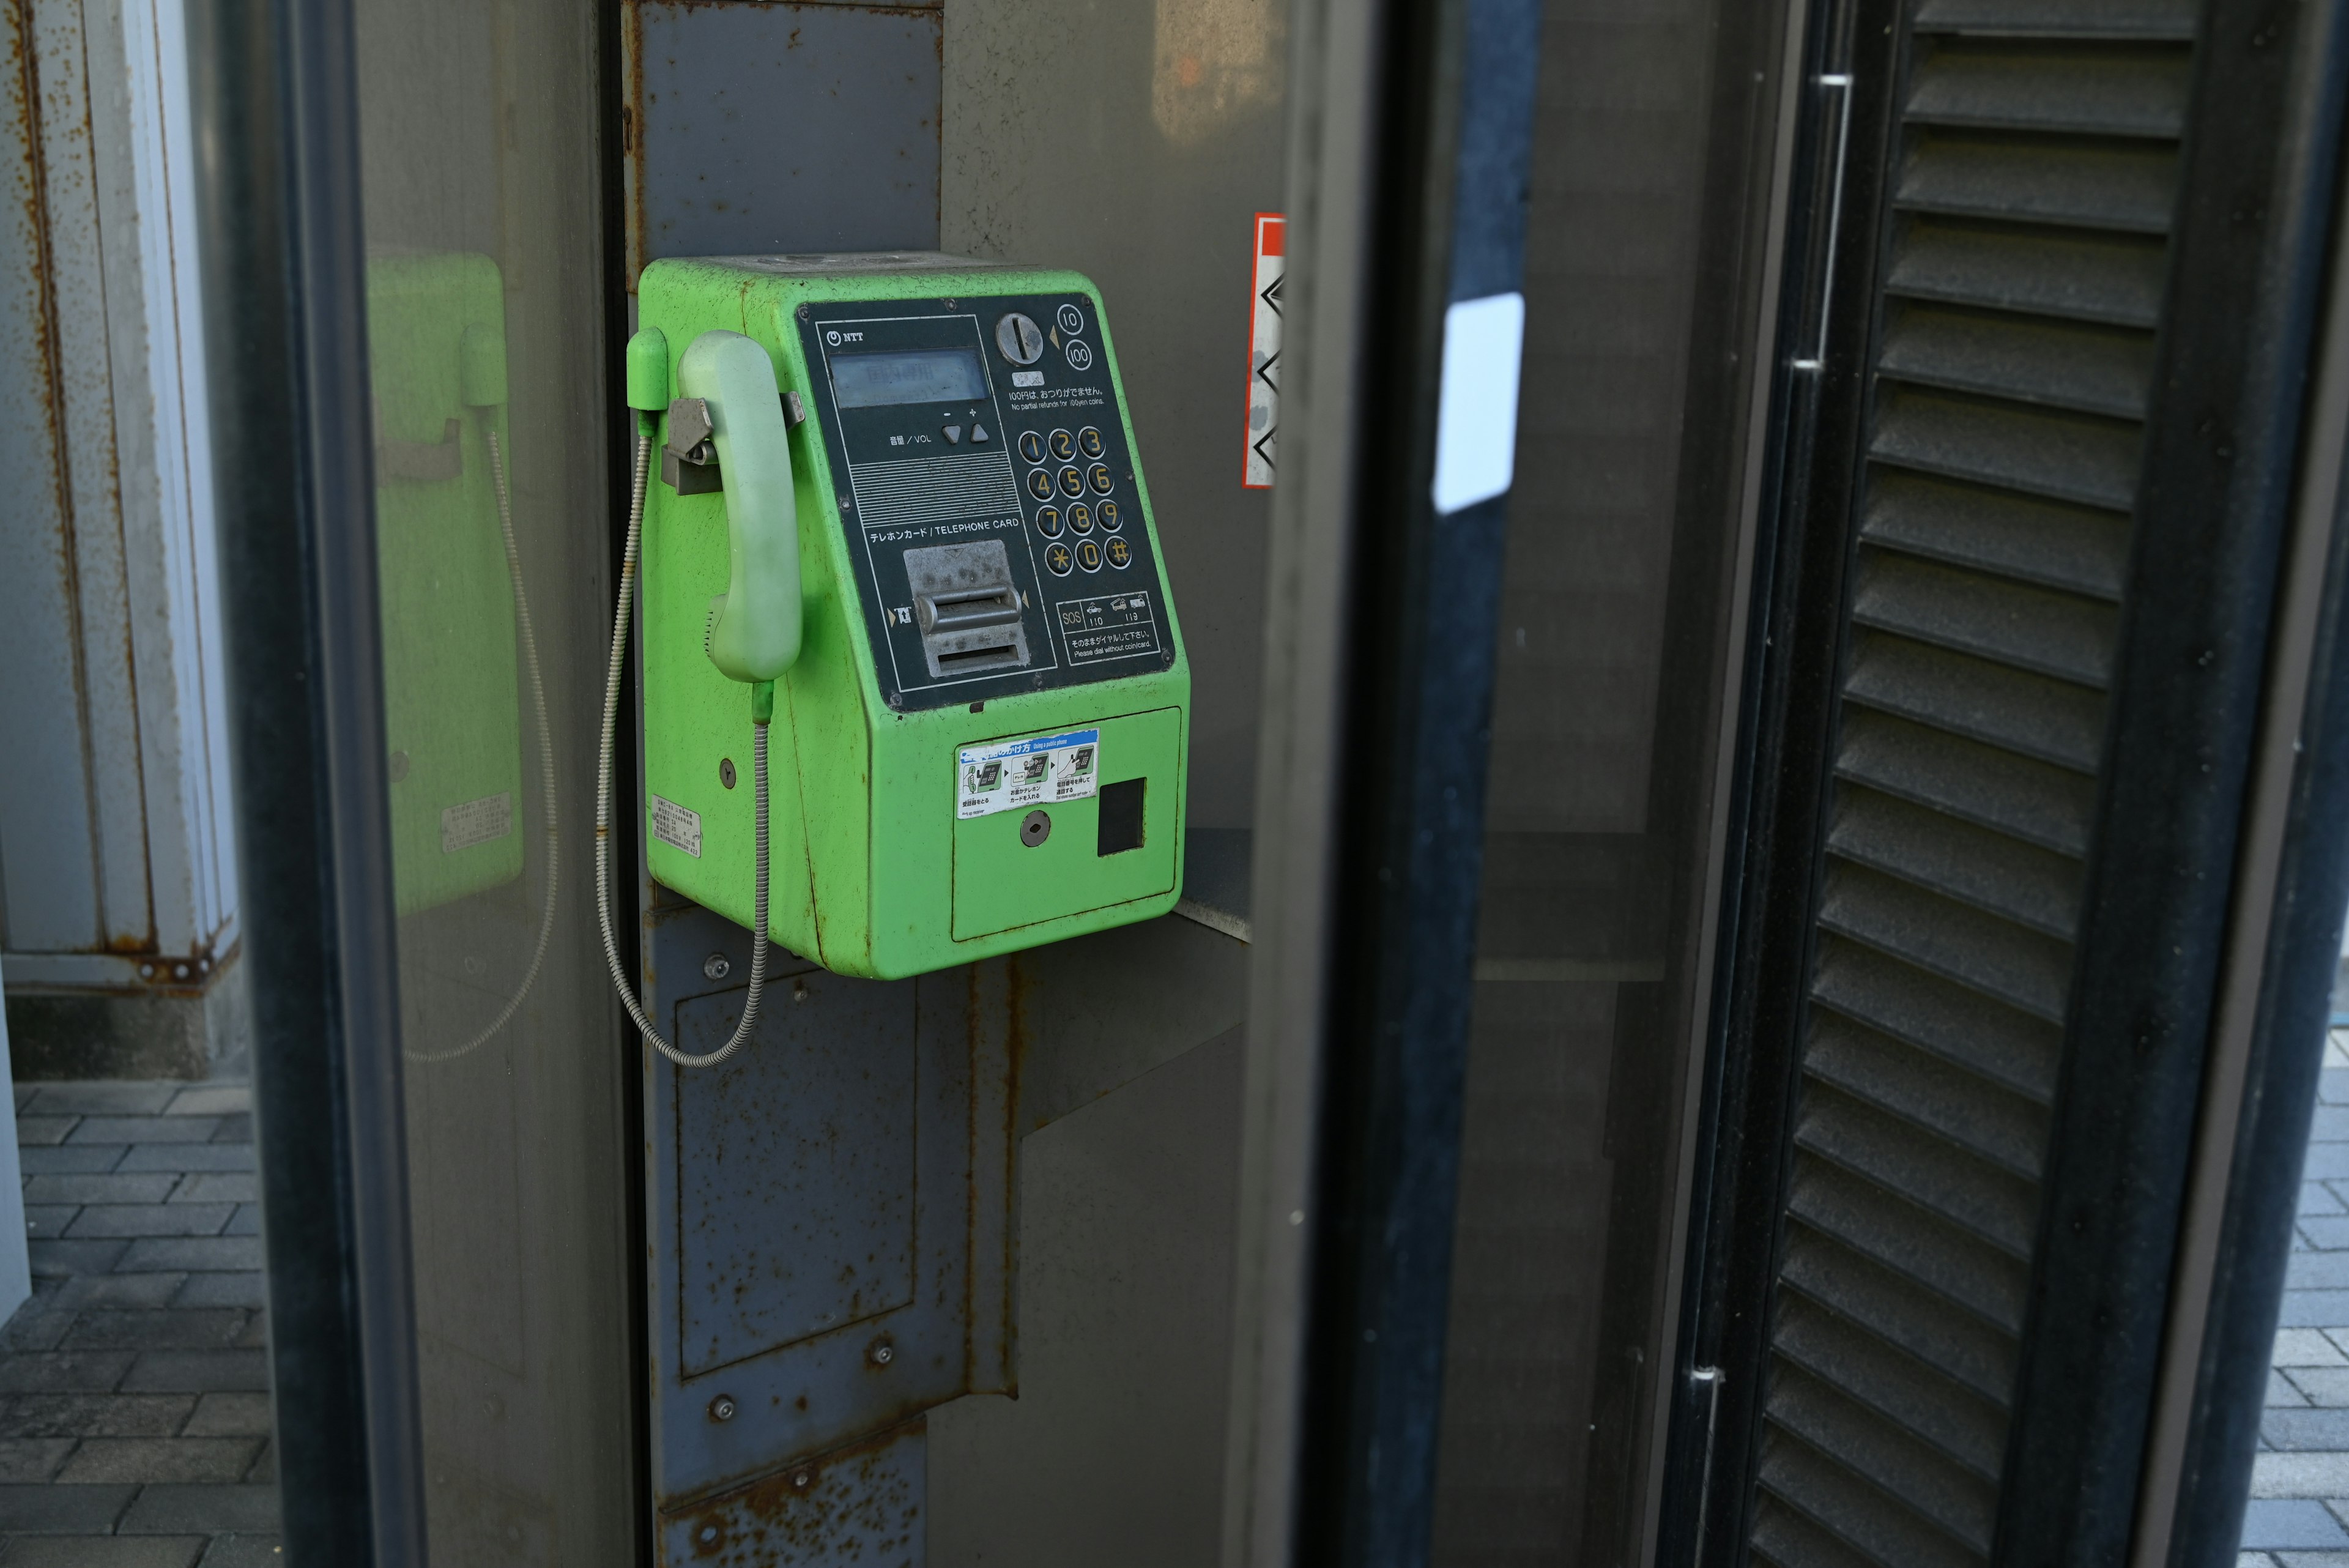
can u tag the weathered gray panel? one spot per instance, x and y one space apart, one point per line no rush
795 1167
1113 1452
785 128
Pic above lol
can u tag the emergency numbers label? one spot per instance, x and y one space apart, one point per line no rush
677 827
1112 626
1013 775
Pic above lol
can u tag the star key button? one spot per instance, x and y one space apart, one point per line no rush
1059 558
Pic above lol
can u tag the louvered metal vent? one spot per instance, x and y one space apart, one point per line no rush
2032 178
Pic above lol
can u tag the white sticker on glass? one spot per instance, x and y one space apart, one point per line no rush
1477 416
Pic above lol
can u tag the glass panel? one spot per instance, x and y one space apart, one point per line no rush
485 317
1614 638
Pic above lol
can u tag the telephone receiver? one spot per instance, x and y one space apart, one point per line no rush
754 625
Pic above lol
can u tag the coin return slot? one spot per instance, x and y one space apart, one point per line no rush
966 606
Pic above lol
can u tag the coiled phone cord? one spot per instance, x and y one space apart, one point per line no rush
603 803
545 761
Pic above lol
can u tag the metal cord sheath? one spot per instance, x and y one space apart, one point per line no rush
603 810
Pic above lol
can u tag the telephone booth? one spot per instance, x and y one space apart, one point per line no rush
1257 781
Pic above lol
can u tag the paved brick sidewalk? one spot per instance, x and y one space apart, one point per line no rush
2299 1511
134 1402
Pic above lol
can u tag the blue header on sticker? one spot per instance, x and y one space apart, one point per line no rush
1025 748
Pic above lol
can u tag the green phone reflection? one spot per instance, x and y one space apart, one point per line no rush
457 631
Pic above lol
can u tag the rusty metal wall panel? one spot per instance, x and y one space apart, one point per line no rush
114 848
781 128
873 1094
794 1171
862 1506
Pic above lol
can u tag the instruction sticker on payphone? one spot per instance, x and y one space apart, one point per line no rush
1014 775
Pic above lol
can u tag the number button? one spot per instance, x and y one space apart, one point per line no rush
1057 558
1081 518
1040 485
1119 552
1047 522
1089 556
1031 446
1073 483
1064 445
1089 441
1099 477
1112 519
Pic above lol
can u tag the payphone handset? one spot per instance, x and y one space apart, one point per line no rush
900 500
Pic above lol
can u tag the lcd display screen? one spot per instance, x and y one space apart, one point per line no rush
915 376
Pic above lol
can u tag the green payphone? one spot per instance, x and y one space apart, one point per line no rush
900 516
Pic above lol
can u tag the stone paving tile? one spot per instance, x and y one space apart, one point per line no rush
45 1221
2299 1475
2325 1385
35 1329
105 1415
38 1130
211 1509
2327 1231
236 1289
120 1291
245 1552
2318 1270
62 1510
254 1335
191 1252
82 1372
146 1186
2270 1524
31 1459
199 1129
55 1260
263 1471
85 1158
2306 1347
218 1187
2316 1198
2305 1430
246 1221
213 1157
202 1372
212 1100
219 1460
234 1129
2313 1559
177 1328
2281 1392
2314 1309
139 1219
105 1551
124 1098
230 1415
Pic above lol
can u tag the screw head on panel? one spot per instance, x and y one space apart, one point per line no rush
722 1408
882 1351
717 966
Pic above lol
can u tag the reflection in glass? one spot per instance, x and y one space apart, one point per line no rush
485 317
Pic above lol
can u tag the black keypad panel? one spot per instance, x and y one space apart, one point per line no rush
1045 497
